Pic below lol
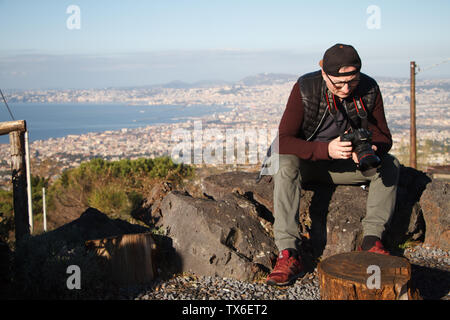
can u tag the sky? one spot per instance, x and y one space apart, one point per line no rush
45 45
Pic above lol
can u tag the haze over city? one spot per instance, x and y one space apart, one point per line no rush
97 44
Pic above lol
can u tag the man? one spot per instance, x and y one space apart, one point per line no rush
322 106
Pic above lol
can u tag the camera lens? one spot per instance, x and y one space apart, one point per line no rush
368 163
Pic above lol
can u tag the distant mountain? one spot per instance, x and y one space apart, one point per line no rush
268 79
177 84
258 79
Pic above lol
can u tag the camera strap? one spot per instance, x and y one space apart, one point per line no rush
359 107
361 111
329 96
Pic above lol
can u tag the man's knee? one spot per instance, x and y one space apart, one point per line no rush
289 167
288 160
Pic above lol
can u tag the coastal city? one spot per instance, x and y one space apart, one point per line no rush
255 106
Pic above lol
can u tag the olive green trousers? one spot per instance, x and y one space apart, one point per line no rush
292 172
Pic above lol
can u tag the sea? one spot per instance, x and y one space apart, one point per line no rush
47 120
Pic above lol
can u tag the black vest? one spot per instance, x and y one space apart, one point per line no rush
313 90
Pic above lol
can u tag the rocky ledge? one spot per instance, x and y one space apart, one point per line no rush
216 238
223 234
227 225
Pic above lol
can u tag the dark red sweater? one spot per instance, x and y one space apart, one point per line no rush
291 124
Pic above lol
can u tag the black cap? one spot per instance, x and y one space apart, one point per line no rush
338 56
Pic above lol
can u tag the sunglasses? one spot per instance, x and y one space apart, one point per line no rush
341 84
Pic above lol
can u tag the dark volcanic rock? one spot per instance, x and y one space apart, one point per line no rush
149 212
334 214
93 224
330 216
243 183
220 238
435 204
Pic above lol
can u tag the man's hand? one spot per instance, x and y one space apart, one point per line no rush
338 149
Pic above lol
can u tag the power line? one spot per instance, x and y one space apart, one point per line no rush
432 66
6 104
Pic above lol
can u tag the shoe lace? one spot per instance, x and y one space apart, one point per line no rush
284 263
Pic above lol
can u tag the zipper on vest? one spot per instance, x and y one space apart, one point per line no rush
318 126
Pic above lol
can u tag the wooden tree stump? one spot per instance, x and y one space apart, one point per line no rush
365 276
129 257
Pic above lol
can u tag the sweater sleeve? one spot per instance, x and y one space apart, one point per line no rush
290 125
381 135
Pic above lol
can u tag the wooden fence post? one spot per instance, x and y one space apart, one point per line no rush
19 182
16 130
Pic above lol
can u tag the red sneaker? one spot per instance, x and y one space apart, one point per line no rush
377 248
286 270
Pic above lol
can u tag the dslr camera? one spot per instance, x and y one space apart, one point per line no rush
361 141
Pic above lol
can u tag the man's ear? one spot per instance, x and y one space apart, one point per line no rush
323 74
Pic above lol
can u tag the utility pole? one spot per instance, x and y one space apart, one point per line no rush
44 209
412 131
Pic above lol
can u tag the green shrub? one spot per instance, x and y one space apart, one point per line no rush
114 187
155 168
6 214
110 199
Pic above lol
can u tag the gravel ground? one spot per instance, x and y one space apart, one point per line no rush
191 287
430 274
430 268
